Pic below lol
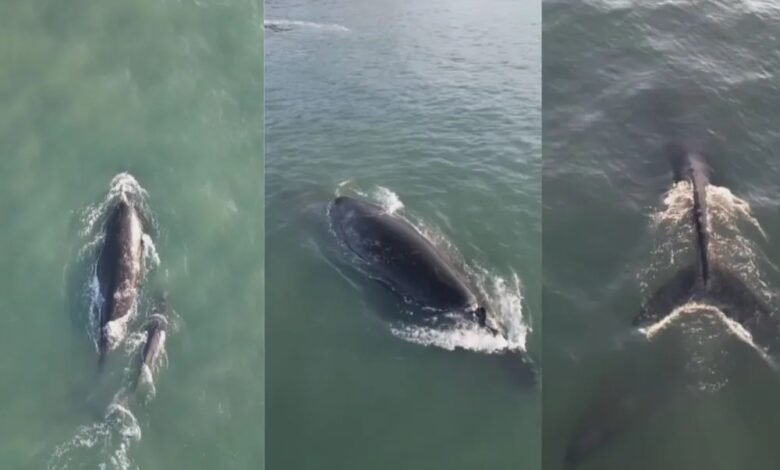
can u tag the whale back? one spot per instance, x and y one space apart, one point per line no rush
120 263
396 254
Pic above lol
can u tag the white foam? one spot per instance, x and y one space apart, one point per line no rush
695 308
384 197
388 200
134 342
106 443
146 383
115 331
727 216
507 301
151 258
96 301
465 335
504 304
307 25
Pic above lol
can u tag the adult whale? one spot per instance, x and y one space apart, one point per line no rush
120 271
398 256
155 329
706 280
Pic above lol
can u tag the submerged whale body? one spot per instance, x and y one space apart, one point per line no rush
119 270
397 255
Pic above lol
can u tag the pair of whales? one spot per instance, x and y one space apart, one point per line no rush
706 281
398 256
120 273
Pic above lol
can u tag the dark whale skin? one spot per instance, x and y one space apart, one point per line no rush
397 255
120 266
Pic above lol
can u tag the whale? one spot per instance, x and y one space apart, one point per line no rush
155 330
706 280
120 271
393 252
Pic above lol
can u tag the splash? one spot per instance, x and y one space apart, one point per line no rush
151 258
134 342
503 299
463 335
95 301
502 296
687 309
508 307
727 217
104 444
379 195
115 331
123 187
306 25
388 200
727 210
697 309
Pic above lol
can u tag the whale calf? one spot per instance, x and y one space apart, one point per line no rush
120 271
398 256
155 328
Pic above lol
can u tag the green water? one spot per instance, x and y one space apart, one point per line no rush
622 79
435 106
170 92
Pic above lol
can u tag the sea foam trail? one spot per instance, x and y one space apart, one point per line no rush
306 25
104 444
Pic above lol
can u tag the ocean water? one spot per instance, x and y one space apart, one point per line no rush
431 110
622 79
164 99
